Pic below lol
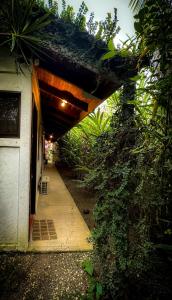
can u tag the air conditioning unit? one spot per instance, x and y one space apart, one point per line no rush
44 185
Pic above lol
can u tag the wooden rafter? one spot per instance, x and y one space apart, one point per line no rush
63 85
53 92
64 111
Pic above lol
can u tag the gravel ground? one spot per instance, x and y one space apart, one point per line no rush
50 276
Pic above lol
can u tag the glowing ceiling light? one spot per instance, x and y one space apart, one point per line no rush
51 136
63 103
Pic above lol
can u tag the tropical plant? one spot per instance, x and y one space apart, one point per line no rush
129 48
104 30
95 290
131 171
77 146
95 124
136 4
21 25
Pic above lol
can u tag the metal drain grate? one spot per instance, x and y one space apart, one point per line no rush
43 230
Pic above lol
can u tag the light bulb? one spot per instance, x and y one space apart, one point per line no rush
63 103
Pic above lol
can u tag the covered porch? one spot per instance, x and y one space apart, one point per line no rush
58 224
66 83
69 85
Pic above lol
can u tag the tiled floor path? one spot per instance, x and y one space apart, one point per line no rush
58 206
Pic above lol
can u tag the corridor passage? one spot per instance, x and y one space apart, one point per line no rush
58 212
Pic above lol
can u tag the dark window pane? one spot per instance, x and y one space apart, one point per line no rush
9 114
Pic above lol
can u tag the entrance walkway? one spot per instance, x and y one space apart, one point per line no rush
58 206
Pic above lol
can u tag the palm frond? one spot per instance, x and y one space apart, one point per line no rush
136 4
21 25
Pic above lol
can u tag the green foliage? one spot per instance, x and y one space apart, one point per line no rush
136 4
108 28
96 123
111 53
95 290
128 48
133 174
67 13
80 19
21 25
114 183
77 145
130 169
88 267
92 25
104 30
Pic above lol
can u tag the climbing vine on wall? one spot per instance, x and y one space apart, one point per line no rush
131 172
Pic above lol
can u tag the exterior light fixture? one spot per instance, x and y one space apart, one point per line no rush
51 136
63 103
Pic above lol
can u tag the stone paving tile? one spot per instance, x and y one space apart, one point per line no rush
58 212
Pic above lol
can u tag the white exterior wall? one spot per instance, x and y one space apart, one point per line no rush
15 163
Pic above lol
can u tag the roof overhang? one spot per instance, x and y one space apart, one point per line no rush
63 103
72 71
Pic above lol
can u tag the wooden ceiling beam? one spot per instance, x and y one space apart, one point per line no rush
57 94
58 100
59 114
52 84
67 111
63 85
